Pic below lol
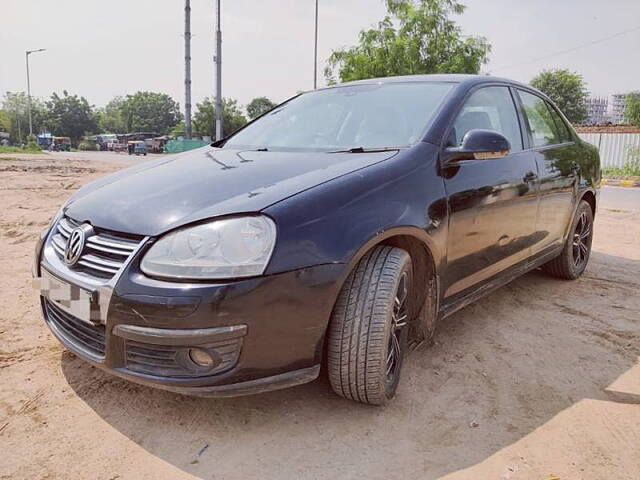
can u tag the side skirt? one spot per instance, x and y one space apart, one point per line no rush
451 306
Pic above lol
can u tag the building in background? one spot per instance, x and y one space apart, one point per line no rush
597 109
618 105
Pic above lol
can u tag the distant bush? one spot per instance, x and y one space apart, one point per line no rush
87 146
26 149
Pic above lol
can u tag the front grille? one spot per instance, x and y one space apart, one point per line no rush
105 252
90 338
171 361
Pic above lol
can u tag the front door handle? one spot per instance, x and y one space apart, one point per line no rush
530 177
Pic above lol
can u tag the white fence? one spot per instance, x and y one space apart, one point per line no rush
613 147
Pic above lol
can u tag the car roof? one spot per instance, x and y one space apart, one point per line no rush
460 78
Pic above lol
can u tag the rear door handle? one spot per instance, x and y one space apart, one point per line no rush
530 177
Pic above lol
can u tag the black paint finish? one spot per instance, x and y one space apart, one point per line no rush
483 222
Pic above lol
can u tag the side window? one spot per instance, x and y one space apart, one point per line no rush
541 124
489 108
563 130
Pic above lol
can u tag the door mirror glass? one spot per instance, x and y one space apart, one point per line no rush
479 145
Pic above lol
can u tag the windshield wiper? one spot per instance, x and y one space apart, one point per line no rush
366 150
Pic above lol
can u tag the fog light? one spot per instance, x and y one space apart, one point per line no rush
200 357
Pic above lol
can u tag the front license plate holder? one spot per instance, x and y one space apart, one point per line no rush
74 300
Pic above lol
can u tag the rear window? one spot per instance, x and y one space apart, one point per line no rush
540 120
563 131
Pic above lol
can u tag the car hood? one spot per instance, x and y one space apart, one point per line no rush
159 195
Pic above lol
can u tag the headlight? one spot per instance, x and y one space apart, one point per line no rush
229 248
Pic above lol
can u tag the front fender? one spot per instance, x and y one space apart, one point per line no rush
340 220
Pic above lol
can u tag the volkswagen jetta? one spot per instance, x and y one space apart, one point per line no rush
336 229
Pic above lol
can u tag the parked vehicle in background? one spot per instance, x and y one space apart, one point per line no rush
106 141
340 226
137 147
44 140
60 144
119 147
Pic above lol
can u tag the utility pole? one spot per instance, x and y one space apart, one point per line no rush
218 60
315 53
27 53
187 69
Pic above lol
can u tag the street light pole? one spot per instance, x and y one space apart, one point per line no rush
315 53
218 59
27 53
187 69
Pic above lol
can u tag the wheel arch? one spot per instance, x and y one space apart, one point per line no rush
425 260
590 197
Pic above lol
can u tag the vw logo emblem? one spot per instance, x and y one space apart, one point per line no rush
75 244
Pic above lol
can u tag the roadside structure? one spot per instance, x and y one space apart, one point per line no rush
597 110
618 105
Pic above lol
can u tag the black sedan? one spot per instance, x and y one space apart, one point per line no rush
337 229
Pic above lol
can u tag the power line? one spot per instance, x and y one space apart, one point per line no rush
569 50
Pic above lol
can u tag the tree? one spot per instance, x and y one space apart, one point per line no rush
111 117
417 36
632 110
15 106
5 121
258 106
70 116
204 118
150 112
567 90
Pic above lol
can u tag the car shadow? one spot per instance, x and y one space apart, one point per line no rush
497 371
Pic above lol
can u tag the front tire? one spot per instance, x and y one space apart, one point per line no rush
571 263
367 337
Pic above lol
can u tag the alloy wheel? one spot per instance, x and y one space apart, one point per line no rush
581 241
399 317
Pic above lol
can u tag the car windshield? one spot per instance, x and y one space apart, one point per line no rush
366 116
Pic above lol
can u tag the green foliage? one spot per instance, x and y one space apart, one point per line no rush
178 130
416 37
87 145
258 106
15 106
630 169
150 112
111 117
70 116
567 90
632 111
5 121
204 118
31 148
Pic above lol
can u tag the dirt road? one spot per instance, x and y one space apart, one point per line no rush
539 379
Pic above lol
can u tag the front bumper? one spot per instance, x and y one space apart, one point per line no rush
264 333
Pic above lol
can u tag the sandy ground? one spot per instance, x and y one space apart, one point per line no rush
540 380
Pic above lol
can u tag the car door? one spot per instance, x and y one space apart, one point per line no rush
492 202
555 153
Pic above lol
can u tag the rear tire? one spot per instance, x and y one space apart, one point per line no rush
571 263
367 336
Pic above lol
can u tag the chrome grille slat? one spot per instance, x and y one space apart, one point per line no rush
97 266
65 227
100 248
88 257
105 252
113 243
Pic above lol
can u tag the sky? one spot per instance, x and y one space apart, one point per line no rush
100 49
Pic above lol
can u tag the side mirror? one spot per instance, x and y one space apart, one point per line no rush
478 145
